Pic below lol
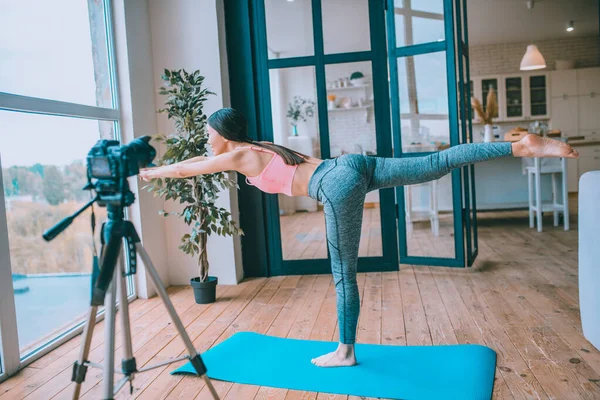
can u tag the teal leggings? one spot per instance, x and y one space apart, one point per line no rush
342 183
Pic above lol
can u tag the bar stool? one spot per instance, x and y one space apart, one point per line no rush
557 168
431 213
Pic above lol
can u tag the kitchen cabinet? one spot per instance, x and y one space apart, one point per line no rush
576 103
589 112
565 114
564 83
587 164
588 81
572 175
487 84
480 87
521 96
513 92
536 97
589 160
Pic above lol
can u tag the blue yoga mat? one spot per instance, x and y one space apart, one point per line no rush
396 372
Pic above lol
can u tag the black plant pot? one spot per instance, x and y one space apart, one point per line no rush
204 292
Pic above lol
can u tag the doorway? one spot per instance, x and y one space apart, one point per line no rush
385 78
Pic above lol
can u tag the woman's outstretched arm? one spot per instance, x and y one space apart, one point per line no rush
206 165
193 160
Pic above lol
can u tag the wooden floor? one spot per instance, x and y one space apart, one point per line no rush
520 299
303 235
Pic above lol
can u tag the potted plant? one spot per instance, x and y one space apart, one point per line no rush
299 109
357 79
486 116
185 101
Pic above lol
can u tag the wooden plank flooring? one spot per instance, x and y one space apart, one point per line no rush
520 299
303 236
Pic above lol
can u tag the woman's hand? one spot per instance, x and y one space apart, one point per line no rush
146 174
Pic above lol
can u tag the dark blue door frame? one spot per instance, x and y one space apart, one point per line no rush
459 116
250 92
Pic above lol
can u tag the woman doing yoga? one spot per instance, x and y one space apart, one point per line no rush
341 185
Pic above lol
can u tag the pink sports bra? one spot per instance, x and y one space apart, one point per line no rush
277 176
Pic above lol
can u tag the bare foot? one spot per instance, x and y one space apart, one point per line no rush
342 357
537 146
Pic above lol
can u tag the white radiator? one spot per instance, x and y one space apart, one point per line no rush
589 255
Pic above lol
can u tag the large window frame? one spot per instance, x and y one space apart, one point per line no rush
11 360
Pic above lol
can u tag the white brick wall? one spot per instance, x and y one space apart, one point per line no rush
506 57
349 129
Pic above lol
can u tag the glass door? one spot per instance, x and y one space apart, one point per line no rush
430 92
488 85
514 98
324 64
538 96
380 78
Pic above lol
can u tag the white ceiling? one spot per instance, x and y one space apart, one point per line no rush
509 21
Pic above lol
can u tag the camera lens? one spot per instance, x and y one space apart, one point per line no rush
141 151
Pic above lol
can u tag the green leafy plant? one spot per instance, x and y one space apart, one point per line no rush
356 75
300 109
185 101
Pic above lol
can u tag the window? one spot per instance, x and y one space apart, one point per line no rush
55 50
57 99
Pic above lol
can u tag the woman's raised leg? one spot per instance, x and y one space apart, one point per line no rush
392 172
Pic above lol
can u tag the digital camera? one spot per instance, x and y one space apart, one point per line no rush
112 163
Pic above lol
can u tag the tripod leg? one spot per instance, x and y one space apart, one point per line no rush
109 339
79 369
195 358
128 364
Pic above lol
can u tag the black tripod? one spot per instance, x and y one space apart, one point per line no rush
111 282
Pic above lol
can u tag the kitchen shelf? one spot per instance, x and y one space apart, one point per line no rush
347 88
349 108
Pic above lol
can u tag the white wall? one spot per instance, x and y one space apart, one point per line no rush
351 130
176 34
189 34
136 89
505 58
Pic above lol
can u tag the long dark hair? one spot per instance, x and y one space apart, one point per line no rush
232 125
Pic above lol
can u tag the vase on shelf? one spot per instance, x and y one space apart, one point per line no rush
488 133
294 130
